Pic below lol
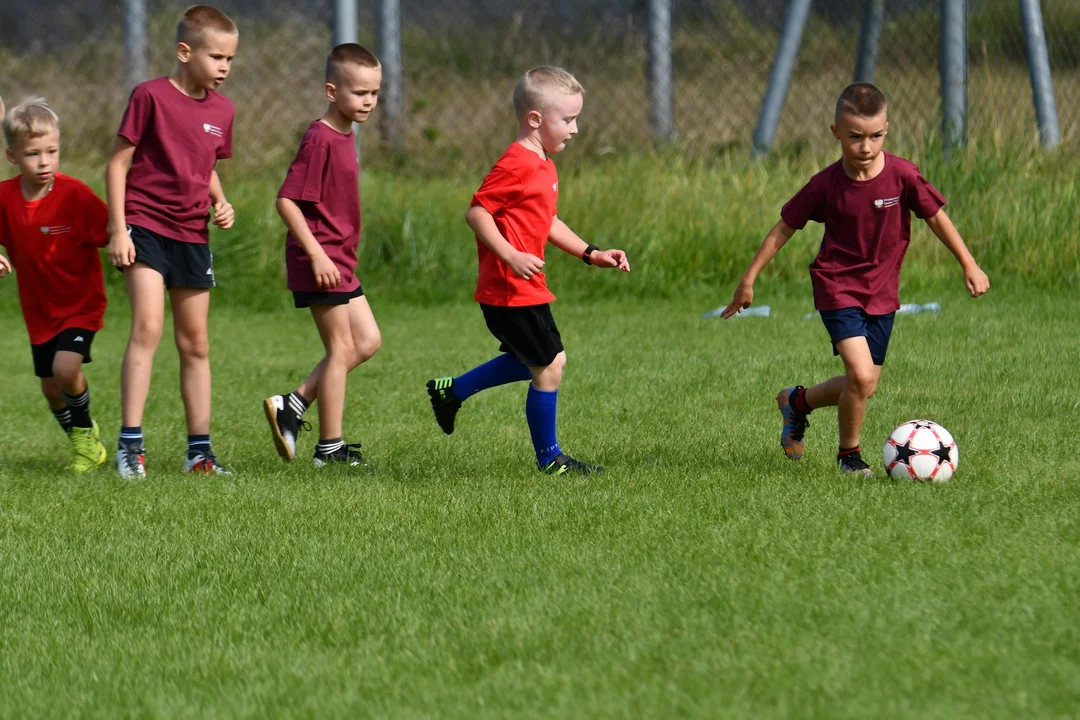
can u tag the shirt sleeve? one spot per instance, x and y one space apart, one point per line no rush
94 218
225 151
304 179
806 205
920 196
137 115
498 190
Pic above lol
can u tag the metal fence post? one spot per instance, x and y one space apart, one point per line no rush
136 59
780 75
1042 82
659 71
388 41
344 21
953 73
869 35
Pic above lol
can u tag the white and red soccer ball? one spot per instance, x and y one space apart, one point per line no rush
921 450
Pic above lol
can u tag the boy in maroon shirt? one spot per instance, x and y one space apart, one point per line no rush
864 200
52 226
513 217
320 204
161 187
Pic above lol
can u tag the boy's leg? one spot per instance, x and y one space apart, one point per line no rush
860 382
85 437
540 410
448 393
146 291
55 397
334 325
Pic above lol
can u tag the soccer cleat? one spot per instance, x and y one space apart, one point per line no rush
89 452
130 461
853 464
203 462
792 437
346 454
285 425
564 464
443 402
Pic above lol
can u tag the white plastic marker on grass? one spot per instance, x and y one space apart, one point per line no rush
756 311
905 309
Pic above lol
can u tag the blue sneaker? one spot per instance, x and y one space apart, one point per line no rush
793 436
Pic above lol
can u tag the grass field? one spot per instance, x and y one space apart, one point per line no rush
702 575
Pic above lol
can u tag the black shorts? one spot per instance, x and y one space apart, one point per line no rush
527 332
855 322
181 264
307 299
74 340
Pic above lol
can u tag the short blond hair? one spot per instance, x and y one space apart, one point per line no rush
348 54
536 87
29 119
198 20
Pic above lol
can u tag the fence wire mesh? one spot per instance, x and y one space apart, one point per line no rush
462 57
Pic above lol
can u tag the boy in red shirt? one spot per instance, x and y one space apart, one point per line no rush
52 226
161 187
320 204
865 200
513 217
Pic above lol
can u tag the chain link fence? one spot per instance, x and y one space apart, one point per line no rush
462 57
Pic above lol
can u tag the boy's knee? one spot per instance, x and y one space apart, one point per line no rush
146 331
193 346
366 348
862 381
341 350
66 371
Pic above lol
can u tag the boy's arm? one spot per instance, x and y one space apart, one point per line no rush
744 294
5 266
976 280
524 264
326 273
121 249
562 237
223 210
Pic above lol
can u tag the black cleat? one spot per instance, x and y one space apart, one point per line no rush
346 455
853 464
563 464
443 402
285 425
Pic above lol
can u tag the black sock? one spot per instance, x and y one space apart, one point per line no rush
296 402
327 447
198 444
80 409
63 416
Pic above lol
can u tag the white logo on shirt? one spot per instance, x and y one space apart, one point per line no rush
212 129
555 187
55 229
882 203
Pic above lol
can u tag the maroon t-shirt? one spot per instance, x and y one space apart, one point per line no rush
324 181
867 231
178 140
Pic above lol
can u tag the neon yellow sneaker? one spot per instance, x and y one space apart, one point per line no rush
89 452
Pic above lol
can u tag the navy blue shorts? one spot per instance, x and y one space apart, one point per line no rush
855 322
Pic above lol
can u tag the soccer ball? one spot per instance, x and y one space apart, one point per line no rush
921 450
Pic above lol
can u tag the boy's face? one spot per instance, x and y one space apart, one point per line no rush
558 122
355 92
209 62
37 158
861 138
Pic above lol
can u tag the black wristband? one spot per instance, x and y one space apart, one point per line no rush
588 251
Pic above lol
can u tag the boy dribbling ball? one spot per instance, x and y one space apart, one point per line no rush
864 200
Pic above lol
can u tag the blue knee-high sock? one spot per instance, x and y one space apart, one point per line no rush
540 412
498 371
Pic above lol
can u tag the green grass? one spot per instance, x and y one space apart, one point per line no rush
702 575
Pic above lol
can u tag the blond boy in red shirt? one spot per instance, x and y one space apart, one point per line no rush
52 226
513 215
865 200
162 186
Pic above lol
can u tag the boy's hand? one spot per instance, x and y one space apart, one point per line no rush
744 296
976 280
327 276
524 264
224 214
121 249
610 259
5 266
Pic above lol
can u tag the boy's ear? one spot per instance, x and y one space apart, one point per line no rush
331 92
10 156
534 119
183 52
835 132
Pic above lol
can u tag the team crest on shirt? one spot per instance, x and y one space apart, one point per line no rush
882 203
555 186
213 130
55 229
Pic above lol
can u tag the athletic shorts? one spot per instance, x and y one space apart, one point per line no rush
307 299
855 322
74 340
181 264
527 332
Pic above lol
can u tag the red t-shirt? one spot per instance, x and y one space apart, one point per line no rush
867 231
520 192
178 140
324 181
52 243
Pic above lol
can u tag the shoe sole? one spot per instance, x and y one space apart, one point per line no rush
279 439
781 401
